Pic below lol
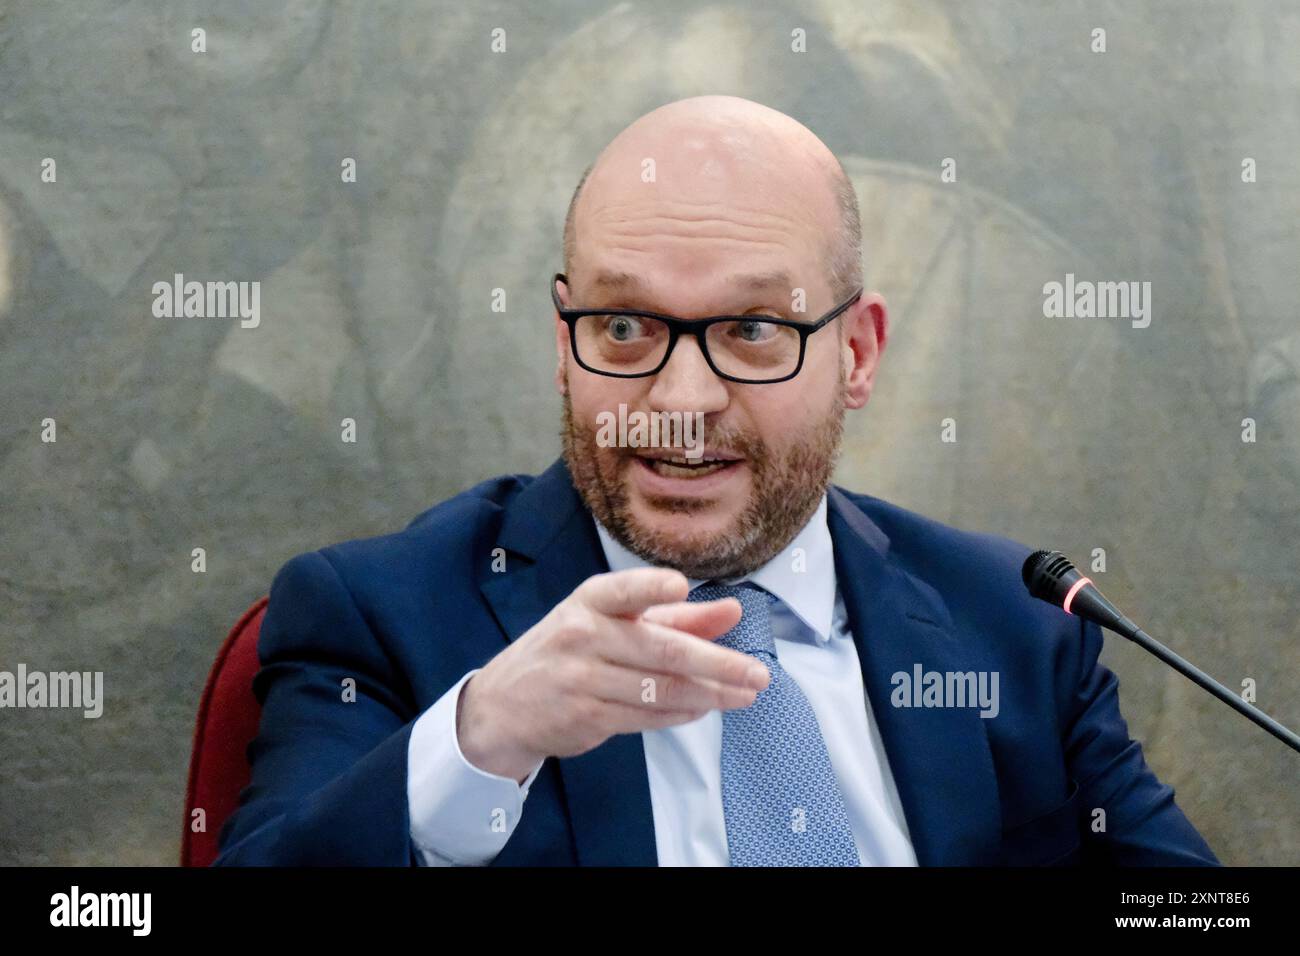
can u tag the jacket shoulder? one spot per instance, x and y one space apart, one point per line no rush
454 530
921 543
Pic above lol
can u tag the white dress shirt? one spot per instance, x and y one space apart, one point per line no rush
450 798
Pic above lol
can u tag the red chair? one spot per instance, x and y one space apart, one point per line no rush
226 725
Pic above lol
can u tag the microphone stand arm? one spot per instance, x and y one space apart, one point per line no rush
1198 676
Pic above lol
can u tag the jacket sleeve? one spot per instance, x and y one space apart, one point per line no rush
1142 824
329 761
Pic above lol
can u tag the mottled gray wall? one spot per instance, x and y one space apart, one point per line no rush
174 434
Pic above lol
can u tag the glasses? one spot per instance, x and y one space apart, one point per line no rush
630 343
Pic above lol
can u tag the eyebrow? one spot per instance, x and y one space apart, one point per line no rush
749 281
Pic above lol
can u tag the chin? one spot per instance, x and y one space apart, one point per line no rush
683 527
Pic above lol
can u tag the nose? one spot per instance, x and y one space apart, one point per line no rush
687 383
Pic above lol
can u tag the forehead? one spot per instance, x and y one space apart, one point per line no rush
698 262
720 214
700 277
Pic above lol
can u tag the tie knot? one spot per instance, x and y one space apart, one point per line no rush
753 635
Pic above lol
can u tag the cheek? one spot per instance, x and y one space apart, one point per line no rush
781 412
592 394
818 383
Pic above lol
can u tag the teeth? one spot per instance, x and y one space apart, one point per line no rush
676 468
681 460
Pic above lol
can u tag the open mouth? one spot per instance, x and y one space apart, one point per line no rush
681 467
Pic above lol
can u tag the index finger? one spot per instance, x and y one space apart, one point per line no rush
628 593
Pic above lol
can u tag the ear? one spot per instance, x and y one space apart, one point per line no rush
866 330
561 338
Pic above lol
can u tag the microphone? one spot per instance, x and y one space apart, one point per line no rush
1051 577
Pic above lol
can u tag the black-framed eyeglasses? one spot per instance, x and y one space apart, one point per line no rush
631 343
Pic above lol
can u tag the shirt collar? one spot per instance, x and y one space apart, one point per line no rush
802 575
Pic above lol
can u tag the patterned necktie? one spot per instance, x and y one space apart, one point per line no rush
780 799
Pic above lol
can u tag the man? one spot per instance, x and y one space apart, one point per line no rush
700 653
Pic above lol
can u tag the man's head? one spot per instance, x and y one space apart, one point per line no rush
716 206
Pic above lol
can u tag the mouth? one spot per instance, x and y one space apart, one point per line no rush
670 465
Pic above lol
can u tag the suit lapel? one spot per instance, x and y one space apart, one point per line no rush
939 756
551 547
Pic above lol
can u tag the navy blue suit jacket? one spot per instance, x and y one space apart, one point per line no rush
407 614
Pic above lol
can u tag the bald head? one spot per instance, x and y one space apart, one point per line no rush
694 157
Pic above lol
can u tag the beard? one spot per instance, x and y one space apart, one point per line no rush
785 489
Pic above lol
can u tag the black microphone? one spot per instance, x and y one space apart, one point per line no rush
1051 577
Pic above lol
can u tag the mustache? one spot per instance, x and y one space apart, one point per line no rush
725 441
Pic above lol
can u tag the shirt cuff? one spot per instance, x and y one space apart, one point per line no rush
460 815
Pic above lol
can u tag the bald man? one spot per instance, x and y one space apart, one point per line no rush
681 644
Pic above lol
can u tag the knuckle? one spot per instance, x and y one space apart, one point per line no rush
572 623
737 668
591 585
587 712
670 688
581 673
672 653
620 590
565 676
721 697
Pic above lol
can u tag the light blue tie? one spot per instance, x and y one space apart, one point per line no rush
780 799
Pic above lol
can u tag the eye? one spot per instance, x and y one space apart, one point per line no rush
754 330
624 328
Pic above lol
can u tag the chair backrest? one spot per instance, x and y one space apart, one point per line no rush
226 725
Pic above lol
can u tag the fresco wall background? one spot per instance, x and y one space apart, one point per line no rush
175 434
